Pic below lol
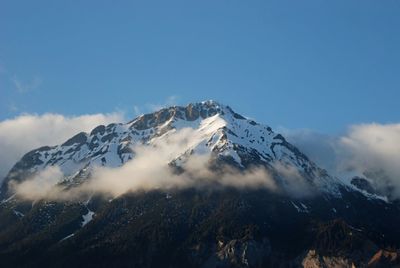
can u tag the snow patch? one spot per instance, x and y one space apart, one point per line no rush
19 214
301 208
87 217
67 237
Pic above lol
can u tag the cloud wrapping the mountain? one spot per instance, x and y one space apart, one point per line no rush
27 132
375 150
40 186
371 149
150 169
320 148
292 182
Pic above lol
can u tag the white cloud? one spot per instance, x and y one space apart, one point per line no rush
27 132
23 87
371 149
292 182
374 149
41 185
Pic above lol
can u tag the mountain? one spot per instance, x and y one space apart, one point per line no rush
218 130
309 218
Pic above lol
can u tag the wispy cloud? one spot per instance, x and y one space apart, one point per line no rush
170 101
23 87
12 107
152 107
136 110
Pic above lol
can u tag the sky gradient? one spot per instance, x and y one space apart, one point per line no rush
321 65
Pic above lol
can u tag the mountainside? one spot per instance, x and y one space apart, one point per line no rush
312 220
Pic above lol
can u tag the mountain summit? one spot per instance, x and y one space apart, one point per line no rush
337 225
218 131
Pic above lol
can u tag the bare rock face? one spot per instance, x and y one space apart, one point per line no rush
385 258
238 253
314 260
363 184
338 244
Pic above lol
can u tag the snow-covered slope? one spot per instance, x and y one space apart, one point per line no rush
217 130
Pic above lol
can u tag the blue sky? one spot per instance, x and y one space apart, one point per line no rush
321 65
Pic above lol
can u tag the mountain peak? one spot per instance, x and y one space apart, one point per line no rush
208 103
191 112
216 130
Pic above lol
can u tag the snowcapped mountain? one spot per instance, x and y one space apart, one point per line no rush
346 224
217 130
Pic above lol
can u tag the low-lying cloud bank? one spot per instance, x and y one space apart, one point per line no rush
151 169
27 132
129 178
371 149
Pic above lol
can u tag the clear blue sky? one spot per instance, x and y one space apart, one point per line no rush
317 64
